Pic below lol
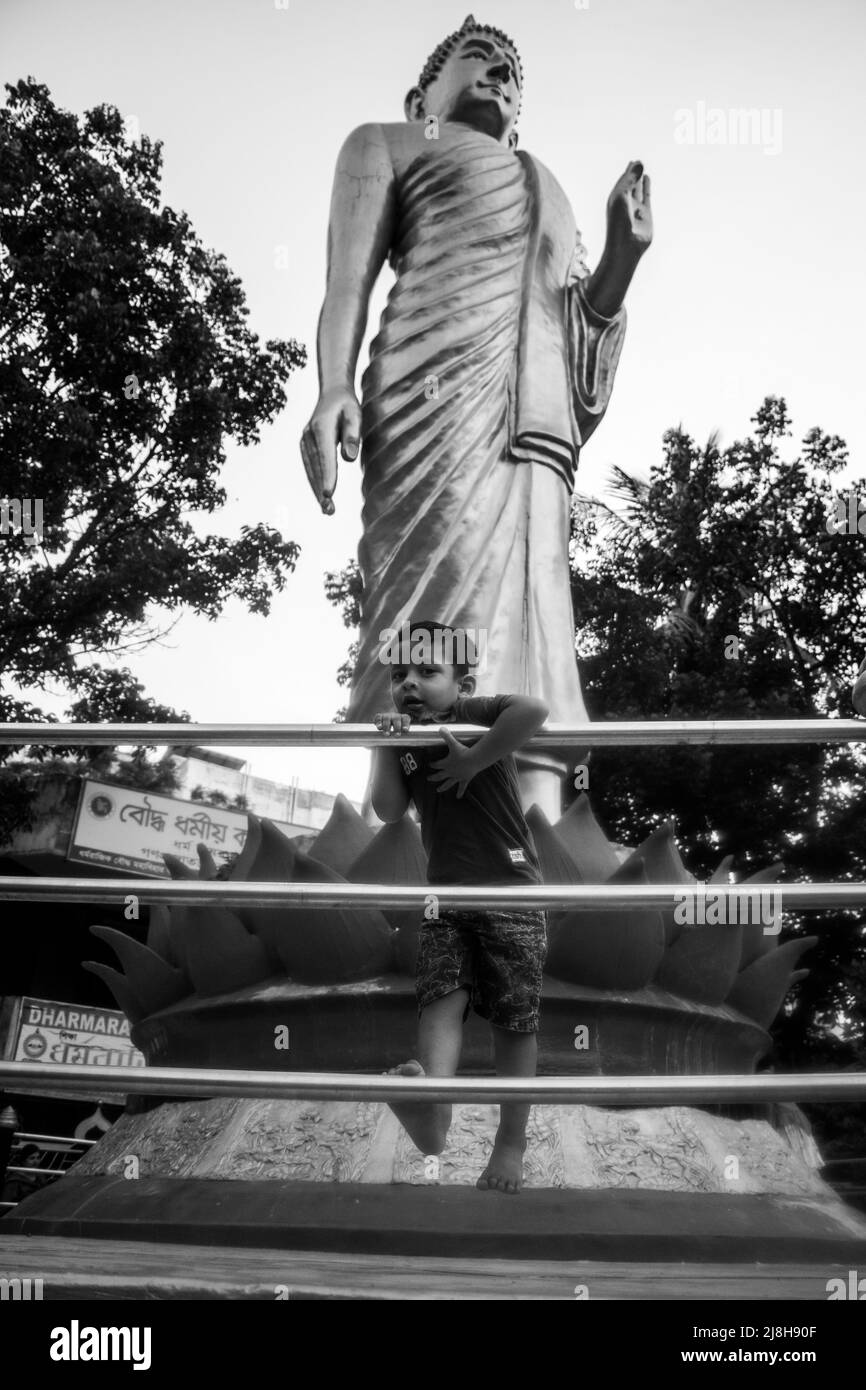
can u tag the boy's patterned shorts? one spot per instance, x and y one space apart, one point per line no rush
498 956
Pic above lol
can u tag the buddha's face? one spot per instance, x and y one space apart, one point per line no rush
479 84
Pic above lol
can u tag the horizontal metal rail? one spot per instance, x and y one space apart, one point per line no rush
751 898
615 734
49 1172
22 1137
34 1077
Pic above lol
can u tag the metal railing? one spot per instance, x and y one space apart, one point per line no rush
598 1090
208 1083
615 734
555 897
52 1141
63 1147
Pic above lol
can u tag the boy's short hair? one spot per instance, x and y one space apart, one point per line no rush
453 646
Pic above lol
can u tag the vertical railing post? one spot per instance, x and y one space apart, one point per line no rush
9 1123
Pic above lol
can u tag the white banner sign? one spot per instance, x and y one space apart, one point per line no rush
124 828
74 1035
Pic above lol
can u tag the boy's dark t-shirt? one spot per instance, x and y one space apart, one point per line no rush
481 837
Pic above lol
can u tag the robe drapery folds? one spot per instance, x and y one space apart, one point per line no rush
488 373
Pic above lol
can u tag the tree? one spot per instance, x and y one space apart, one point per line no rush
214 797
343 589
21 780
125 363
721 590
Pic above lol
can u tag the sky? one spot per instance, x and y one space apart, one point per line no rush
754 284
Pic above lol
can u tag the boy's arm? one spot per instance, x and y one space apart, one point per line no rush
389 791
520 717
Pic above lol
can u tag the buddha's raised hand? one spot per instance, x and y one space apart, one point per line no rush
335 421
629 213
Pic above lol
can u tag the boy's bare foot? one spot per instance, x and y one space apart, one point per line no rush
412 1068
504 1172
426 1124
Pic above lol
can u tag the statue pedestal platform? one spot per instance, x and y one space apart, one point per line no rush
550 1224
74 1269
239 1199
648 1185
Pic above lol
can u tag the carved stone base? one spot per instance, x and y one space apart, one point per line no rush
370 1025
671 1149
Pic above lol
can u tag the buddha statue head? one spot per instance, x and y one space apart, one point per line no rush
474 76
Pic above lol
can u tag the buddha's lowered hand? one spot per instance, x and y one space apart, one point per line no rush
335 421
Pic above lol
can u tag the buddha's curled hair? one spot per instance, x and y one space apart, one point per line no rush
439 56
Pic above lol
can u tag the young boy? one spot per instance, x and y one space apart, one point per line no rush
474 832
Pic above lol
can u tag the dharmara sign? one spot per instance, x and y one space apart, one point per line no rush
46 1030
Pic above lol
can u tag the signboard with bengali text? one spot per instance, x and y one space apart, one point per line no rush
62 1034
128 829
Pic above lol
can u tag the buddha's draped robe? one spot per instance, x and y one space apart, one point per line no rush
488 372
